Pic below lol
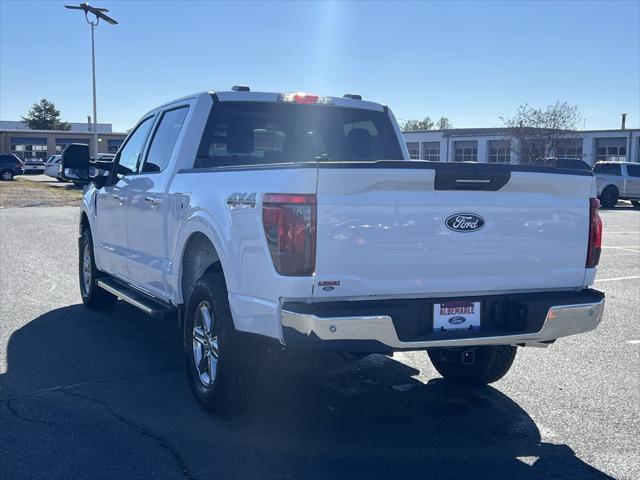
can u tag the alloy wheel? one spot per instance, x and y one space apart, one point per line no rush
205 344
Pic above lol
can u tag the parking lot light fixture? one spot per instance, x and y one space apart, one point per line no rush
96 15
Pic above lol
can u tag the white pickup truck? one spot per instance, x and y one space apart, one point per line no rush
300 220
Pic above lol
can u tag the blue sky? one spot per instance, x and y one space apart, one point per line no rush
470 61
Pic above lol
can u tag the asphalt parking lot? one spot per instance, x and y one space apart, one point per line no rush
104 395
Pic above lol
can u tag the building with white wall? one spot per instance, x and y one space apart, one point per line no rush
494 145
18 139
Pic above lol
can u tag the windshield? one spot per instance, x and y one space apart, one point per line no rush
248 133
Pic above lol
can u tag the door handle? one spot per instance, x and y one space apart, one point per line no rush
117 197
153 201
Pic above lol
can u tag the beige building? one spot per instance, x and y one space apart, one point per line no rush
26 143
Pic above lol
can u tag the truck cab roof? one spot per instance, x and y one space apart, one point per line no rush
349 100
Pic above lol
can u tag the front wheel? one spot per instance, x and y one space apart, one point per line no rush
7 175
473 366
221 363
92 295
635 203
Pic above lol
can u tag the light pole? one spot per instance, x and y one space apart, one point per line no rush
98 13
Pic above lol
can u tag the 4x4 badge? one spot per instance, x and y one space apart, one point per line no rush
244 198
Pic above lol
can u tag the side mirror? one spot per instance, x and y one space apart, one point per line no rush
76 163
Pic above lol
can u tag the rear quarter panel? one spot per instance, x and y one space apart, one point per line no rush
198 200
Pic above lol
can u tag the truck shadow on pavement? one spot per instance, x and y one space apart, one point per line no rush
91 394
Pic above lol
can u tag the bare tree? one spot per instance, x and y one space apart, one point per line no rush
413 125
537 133
444 124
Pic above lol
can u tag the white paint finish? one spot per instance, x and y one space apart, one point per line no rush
382 232
255 288
146 206
110 231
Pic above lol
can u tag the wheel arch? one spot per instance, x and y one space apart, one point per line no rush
84 222
199 256
612 186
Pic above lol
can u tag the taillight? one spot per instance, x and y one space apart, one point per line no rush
289 223
595 234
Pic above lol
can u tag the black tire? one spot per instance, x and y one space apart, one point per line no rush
59 179
635 203
609 197
490 364
231 388
92 296
6 175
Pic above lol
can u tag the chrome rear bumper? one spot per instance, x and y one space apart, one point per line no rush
560 321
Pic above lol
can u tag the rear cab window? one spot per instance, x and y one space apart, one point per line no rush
607 169
255 133
164 140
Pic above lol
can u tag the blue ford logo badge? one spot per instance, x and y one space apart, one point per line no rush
457 320
464 222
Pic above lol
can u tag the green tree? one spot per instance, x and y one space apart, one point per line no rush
43 115
444 124
413 125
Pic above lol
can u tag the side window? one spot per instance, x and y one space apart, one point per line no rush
130 153
608 169
633 170
164 140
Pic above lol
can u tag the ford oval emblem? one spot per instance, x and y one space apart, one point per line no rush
457 320
464 222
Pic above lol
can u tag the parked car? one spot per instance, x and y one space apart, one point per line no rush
53 167
567 163
10 166
617 181
298 220
33 165
106 157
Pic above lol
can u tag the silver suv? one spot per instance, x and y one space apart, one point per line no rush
617 181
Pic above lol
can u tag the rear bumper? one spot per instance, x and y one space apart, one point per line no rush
528 319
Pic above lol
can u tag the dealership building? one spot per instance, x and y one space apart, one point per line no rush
495 145
16 137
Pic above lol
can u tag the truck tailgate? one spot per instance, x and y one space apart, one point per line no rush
449 230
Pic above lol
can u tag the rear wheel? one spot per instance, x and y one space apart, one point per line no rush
473 366
6 175
635 203
92 295
609 197
221 363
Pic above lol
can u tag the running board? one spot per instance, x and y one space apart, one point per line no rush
149 305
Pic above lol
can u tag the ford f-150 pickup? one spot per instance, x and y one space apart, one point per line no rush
299 220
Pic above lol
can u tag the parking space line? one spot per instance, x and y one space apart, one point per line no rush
617 278
626 249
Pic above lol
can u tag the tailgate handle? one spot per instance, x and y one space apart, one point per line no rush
473 180
489 181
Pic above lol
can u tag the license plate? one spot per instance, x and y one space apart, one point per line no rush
456 315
